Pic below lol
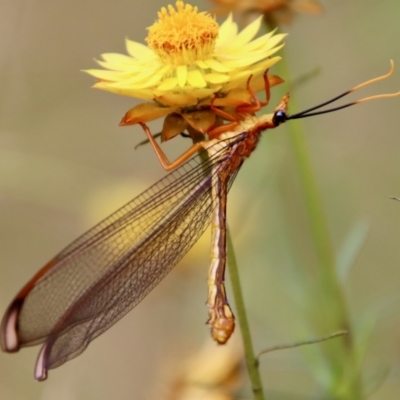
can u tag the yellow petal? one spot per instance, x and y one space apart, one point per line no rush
275 40
257 43
203 93
137 50
217 66
142 83
195 78
263 65
216 78
274 50
264 48
168 84
247 62
181 74
240 78
146 75
107 75
131 69
249 32
201 64
143 76
116 61
144 94
244 62
227 31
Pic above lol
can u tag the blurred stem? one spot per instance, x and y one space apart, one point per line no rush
341 357
299 344
251 360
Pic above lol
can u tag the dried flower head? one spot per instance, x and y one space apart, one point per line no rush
275 11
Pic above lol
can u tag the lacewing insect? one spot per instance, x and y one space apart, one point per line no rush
108 270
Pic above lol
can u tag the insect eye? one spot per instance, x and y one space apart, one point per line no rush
279 117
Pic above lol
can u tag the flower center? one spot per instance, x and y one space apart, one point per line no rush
182 36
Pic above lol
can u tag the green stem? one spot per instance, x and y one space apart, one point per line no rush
251 360
329 281
319 229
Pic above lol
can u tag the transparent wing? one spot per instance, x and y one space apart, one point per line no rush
102 275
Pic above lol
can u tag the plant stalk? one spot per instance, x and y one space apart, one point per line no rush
251 360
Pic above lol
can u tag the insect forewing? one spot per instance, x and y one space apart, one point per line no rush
102 275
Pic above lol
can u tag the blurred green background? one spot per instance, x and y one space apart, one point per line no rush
65 164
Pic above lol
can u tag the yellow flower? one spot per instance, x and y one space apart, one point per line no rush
188 58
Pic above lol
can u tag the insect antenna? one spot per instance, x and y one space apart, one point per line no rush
280 116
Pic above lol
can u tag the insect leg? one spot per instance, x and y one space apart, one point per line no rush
166 164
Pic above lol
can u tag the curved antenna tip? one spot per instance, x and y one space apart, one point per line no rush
391 68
